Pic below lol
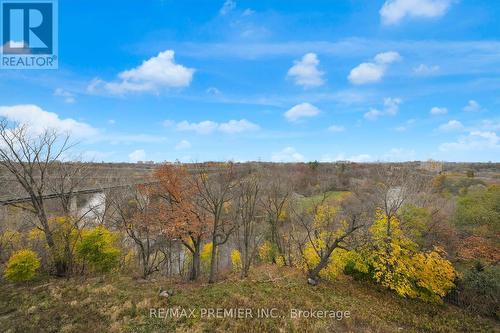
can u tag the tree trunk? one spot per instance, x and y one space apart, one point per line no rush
59 263
213 262
195 265
314 273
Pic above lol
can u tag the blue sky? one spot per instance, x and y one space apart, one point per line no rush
270 80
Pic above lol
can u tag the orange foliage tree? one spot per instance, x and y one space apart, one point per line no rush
179 209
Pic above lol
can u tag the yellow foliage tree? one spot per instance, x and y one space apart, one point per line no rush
325 253
399 265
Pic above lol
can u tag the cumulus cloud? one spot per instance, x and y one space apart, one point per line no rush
183 144
203 127
288 154
227 7
39 120
237 126
436 110
490 125
452 125
391 107
424 69
336 128
208 126
475 140
152 75
370 72
472 106
302 110
305 72
393 11
137 155
67 96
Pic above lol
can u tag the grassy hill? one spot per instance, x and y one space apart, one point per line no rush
122 304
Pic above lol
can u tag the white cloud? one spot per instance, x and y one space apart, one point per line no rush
424 69
183 144
490 125
39 120
302 110
237 126
401 129
406 126
336 128
393 11
213 91
342 157
203 127
387 57
288 154
472 106
152 75
452 125
66 95
436 110
227 7
391 107
208 126
305 71
373 114
248 12
475 140
137 155
370 72
400 154
366 72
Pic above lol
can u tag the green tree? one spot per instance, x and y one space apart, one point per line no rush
479 208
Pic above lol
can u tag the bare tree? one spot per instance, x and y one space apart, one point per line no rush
136 213
29 158
248 192
274 202
215 191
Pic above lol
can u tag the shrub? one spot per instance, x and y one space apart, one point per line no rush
266 252
479 291
22 266
236 260
479 208
269 254
96 248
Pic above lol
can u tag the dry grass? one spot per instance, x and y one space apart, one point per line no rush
121 304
